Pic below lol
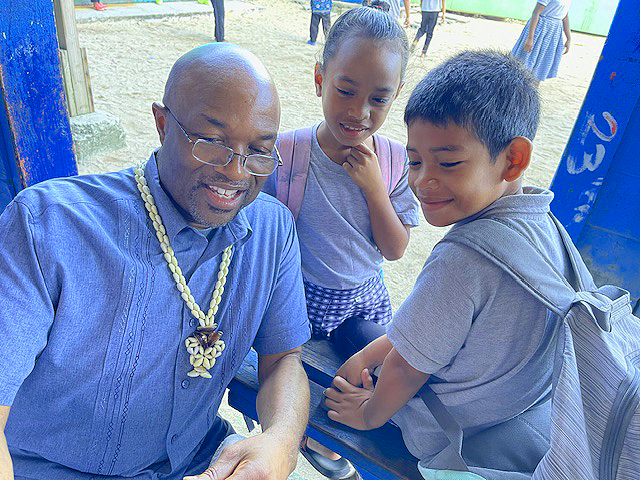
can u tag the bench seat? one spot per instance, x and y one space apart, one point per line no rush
376 454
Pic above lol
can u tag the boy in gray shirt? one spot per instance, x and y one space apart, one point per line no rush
483 343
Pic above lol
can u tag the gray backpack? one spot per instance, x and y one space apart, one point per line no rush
595 416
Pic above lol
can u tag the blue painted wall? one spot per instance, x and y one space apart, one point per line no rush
597 184
34 126
9 177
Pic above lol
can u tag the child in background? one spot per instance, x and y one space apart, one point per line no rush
320 10
396 7
482 342
350 218
430 9
540 45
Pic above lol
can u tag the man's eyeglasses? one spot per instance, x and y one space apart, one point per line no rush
219 155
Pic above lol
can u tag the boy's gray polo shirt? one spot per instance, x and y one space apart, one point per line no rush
487 343
336 241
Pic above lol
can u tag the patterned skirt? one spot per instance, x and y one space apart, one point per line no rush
327 307
544 58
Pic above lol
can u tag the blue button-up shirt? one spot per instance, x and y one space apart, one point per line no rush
92 356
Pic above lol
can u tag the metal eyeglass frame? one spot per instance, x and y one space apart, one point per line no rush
243 157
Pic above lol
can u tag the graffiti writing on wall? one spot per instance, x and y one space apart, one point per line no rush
590 161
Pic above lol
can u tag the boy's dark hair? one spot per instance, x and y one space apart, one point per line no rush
366 22
489 93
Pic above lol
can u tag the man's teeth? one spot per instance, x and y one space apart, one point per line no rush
224 192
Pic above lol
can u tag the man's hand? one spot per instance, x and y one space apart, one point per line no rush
249 459
362 166
407 22
567 45
347 403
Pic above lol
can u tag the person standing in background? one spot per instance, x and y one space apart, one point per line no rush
396 6
218 19
540 46
320 10
98 5
430 9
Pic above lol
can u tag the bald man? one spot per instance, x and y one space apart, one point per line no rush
128 300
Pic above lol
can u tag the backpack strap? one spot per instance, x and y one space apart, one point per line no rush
392 158
295 150
520 258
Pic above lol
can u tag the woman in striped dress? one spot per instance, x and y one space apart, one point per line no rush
540 46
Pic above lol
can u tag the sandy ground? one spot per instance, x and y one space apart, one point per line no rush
130 59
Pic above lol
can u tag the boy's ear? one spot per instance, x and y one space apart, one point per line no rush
160 116
518 157
317 79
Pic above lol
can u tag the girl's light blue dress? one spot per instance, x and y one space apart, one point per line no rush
544 59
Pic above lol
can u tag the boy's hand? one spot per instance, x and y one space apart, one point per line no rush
351 370
362 165
347 403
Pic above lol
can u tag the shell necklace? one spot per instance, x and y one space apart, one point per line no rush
204 345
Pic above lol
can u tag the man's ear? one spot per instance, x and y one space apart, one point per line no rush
317 79
160 115
518 157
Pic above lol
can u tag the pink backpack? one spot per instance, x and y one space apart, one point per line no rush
295 150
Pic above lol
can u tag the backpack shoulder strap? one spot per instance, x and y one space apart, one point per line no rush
392 158
295 150
520 258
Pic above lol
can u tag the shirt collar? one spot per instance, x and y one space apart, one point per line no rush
237 230
532 201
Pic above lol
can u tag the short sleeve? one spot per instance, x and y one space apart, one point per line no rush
285 324
26 309
404 202
431 325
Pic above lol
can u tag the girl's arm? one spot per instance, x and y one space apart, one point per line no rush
389 233
528 45
567 33
369 357
368 408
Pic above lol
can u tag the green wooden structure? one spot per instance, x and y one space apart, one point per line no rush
588 16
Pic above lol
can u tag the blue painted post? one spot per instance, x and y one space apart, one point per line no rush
597 185
35 136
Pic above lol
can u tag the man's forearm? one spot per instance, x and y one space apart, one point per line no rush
283 402
6 467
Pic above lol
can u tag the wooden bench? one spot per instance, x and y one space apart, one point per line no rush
376 454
